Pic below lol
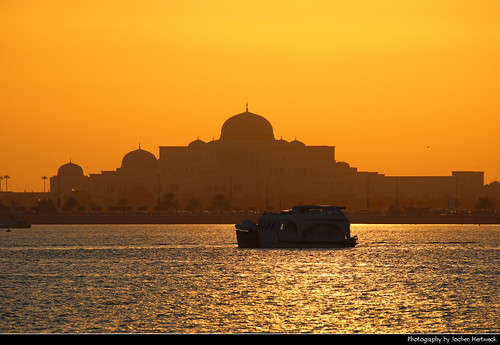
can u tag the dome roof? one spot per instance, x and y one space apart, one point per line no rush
70 169
297 143
247 126
343 165
197 143
139 159
282 142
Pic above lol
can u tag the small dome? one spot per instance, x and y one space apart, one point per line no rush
297 143
213 141
247 126
139 159
197 143
70 169
343 165
282 142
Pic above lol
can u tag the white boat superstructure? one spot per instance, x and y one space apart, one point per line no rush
304 226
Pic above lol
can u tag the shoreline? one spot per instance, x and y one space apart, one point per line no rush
234 218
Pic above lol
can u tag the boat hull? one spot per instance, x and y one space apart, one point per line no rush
312 244
252 239
247 239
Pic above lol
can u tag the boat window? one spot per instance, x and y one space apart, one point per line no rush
332 211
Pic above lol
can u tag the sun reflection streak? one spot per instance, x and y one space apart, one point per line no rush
381 286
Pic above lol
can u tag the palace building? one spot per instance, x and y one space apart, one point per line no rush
248 168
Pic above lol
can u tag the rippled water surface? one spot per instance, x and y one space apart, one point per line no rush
193 278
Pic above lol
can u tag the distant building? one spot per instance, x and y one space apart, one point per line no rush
247 168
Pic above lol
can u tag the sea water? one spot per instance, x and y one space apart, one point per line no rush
194 279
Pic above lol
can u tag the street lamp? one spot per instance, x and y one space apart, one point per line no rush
44 178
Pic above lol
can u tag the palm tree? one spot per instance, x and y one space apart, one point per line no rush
123 204
44 178
168 202
70 204
220 203
6 177
485 204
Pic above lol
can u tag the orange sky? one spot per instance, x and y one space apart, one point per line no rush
399 87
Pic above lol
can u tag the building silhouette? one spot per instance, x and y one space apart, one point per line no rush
247 168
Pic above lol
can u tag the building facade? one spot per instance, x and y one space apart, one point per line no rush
247 168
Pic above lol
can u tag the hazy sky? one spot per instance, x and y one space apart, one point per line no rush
399 87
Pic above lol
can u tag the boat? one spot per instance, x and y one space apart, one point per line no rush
304 226
12 221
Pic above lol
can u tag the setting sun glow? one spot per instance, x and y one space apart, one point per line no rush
398 87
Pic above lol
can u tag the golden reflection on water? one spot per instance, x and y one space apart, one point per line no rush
193 279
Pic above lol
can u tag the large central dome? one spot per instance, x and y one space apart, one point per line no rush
247 126
139 159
